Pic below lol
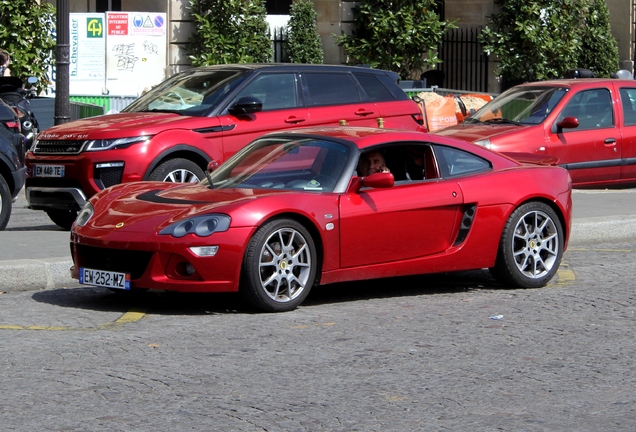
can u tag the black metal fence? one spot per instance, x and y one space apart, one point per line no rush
464 63
278 37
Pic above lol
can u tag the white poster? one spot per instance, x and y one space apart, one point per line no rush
87 52
135 52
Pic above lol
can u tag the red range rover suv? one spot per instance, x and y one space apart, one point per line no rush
172 132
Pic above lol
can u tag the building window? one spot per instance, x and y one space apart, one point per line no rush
107 5
278 7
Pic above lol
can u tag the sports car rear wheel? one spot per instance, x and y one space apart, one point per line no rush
531 247
279 267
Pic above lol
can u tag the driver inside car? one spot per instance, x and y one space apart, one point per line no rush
370 163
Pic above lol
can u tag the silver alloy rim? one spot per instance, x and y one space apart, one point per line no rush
284 265
535 244
182 176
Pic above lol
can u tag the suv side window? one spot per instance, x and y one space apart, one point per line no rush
374 88
331 89
275 91
628 100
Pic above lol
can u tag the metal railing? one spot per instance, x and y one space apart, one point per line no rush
464 63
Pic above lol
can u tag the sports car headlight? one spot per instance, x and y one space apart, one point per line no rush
85 214
202 226
107 144
484 143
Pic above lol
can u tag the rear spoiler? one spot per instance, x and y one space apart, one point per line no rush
532 158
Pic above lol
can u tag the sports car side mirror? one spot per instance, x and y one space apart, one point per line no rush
379 180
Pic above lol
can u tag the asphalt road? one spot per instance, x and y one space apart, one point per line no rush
34 252
451 353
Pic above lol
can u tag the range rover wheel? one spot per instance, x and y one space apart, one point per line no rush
5 203
62 218
177 171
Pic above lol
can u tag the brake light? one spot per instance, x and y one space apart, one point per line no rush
13 126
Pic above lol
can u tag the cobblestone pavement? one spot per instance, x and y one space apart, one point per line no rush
406 354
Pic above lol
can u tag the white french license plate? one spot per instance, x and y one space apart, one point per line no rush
49 170
105 279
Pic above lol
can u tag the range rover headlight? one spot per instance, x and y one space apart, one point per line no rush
201 226
85 214
108 144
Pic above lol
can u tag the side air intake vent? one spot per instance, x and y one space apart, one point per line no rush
467 222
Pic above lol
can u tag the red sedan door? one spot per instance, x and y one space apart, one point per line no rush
398 223
591 151
628 102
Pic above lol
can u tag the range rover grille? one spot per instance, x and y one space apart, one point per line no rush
59 147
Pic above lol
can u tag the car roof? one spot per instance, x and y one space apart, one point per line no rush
576 82
292 67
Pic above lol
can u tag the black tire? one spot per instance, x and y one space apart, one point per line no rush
6 202
279 266
531 247
177 171
62 218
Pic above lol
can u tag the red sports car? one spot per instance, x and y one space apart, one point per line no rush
306 207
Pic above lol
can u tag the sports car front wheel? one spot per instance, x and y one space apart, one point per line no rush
279 267
531 247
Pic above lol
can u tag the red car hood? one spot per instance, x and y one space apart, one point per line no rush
122 125
478 131
149 206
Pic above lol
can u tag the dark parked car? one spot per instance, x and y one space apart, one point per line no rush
174 130
12 169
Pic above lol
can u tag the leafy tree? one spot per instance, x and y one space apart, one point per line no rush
398 35
542 39
27 29
599 49
302 44
229 31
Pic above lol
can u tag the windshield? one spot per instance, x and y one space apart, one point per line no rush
309 164
522 105
192 93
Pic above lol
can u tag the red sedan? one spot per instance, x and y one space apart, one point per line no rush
589 125
296 209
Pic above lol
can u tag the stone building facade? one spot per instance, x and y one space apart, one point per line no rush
335 17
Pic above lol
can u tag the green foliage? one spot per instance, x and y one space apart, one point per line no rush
400 35
302 44
542 39
599 50
229 31
26 33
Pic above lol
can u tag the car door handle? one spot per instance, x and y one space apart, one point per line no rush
610 141
363 112
294 120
